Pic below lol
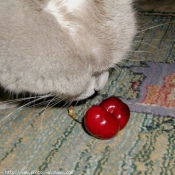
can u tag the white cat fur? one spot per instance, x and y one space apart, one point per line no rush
63 47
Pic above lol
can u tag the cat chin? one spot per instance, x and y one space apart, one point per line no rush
96 83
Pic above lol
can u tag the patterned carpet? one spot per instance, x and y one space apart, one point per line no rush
35 140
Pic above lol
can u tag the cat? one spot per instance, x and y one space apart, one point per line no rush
63 47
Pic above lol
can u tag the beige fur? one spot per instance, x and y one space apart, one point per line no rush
61 47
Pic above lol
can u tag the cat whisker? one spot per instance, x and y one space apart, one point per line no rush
116 67
140 51
45 111
2 103
157 39
133 60
140 54
149 22
121 71
76 102
155 26
163 51
49 106
27 104
43 103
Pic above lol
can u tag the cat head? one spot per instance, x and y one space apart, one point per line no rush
60 48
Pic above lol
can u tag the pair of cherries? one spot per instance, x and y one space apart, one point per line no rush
105 120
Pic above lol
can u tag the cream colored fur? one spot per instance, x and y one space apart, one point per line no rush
63 47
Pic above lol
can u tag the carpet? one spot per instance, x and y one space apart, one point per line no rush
39 141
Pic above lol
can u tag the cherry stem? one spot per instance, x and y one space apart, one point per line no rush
72 115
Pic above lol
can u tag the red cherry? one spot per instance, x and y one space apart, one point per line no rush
105 120
116 107
100 123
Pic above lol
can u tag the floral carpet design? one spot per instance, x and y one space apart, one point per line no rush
157 91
